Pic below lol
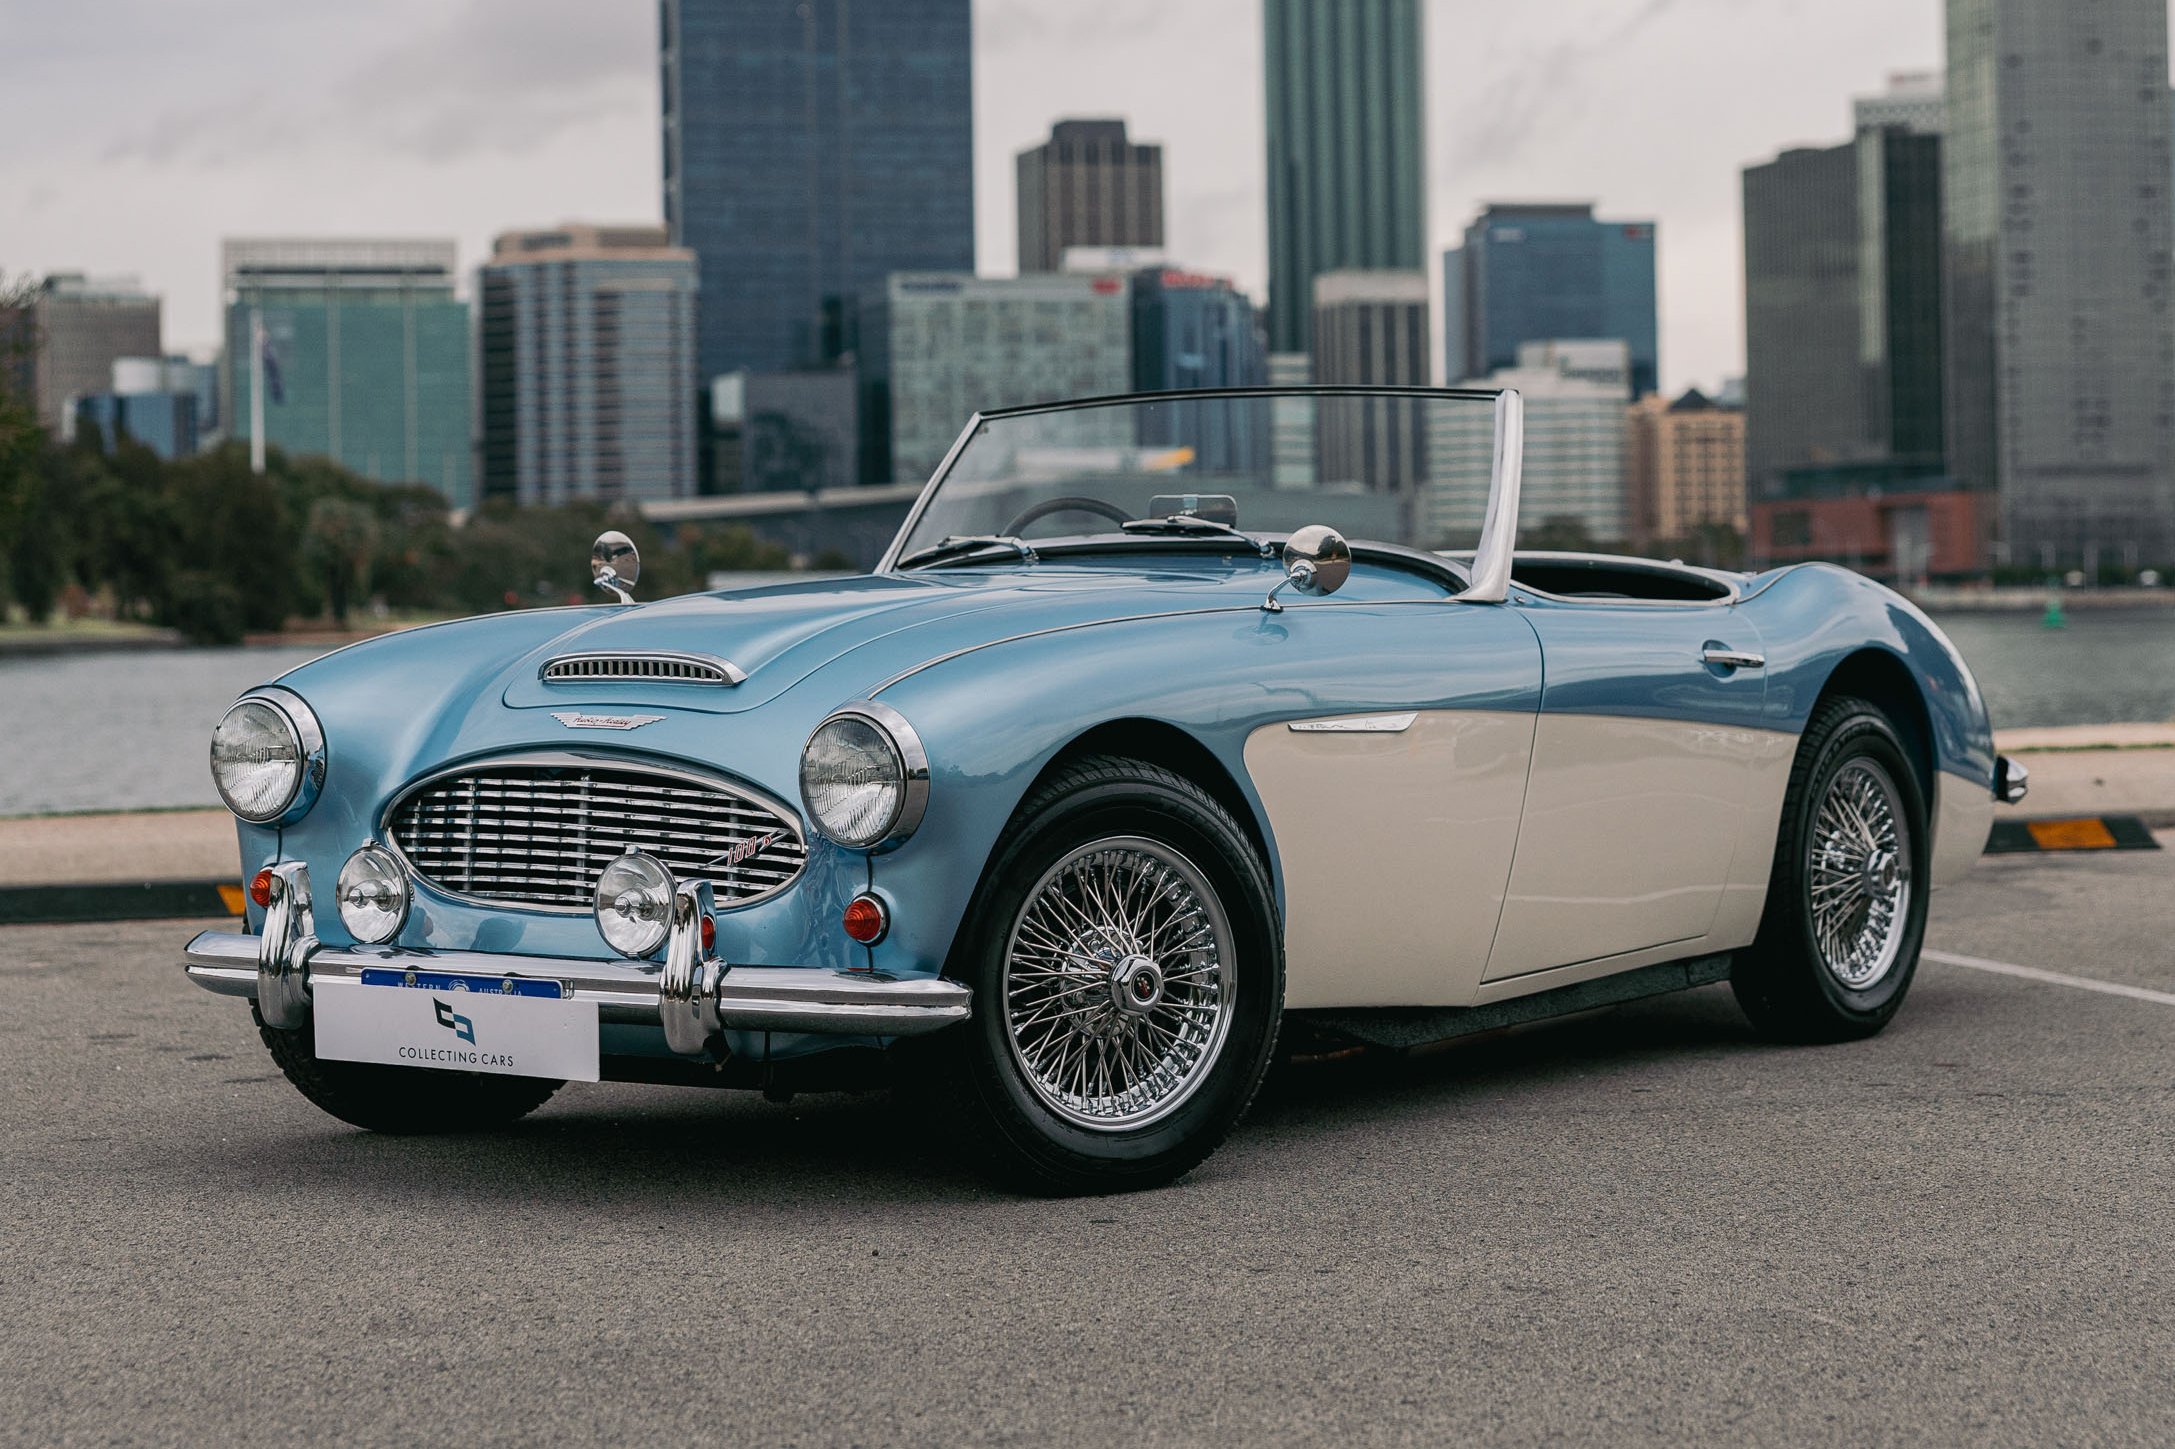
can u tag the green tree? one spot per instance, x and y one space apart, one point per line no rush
340 540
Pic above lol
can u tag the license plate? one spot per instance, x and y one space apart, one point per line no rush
437 1023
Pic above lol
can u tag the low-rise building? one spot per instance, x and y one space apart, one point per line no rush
1576 393
1686 466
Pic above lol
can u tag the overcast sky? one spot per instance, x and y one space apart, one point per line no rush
140 132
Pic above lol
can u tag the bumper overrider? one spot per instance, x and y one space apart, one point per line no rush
693 996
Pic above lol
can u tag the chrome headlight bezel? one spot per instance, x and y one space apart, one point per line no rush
364 857
308 739
911 765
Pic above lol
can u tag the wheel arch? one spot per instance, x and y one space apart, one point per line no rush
1159 742
1885 681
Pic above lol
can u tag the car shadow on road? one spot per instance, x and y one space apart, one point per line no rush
673 1148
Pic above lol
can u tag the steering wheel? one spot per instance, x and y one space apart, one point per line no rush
1049 506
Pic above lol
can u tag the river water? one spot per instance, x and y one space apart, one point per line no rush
129 730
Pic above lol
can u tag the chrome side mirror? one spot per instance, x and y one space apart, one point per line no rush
614 564
1317 561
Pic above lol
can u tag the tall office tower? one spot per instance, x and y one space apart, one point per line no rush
1194 331
944 346
1913 100
1346 119
811 150
2060 346
1684 466
586 350
1843 309
1371 327
366 354
1087 186
1576 393
1529 272
82 326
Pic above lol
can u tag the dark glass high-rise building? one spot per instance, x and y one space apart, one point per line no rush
1843 313
1087 186
2060 346
1346 117
1542 273
811 149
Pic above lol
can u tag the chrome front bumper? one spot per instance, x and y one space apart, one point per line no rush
692 996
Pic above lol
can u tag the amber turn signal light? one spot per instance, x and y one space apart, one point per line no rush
866 920
260 887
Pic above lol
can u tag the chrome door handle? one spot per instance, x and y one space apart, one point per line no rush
1733 658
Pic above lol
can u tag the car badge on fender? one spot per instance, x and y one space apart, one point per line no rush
574 719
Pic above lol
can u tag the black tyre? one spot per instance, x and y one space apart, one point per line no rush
1128 977
402 1099
1846 901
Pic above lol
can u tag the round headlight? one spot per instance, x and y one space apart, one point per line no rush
864 777
268 758
634 904
374 895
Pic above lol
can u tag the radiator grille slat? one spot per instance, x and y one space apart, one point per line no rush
542 834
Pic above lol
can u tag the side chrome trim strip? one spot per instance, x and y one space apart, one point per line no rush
1356 724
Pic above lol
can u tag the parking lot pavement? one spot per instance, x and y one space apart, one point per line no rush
1640 1226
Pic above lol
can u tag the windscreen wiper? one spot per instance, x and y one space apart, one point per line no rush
958 545
1182 523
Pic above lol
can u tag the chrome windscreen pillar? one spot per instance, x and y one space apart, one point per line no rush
283 951
687 992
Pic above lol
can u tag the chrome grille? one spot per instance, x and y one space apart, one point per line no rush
541 834
668 668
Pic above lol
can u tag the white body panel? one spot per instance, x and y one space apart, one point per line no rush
1963 815
1396 849
1632 837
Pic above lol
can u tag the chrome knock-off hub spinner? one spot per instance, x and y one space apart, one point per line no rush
1136 985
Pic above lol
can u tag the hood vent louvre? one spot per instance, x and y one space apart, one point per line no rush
657 666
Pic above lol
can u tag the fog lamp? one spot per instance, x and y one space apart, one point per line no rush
634 904
374 894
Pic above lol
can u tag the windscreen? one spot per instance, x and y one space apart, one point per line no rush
1406 467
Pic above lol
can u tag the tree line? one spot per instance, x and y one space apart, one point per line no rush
204 545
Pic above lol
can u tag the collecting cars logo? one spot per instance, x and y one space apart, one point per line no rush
463 1027
452 1021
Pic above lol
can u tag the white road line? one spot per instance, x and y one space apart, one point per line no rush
2033 973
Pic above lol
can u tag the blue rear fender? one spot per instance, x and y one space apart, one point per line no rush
1827 628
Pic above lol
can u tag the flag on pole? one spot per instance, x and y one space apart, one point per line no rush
272 387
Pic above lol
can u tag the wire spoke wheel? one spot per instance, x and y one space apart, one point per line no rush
1858 875
1118 983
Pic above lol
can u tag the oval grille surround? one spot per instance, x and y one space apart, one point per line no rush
539 835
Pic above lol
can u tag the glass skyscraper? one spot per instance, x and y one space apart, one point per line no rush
1538 273
811 149
586 343
2060 346
368 355
1346 116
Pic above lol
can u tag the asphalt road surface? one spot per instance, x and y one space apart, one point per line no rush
1641 1226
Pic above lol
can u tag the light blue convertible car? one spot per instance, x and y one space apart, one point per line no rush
1157 733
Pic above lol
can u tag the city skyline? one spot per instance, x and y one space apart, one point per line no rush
477 124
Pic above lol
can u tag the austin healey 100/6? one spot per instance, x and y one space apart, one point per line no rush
1157 728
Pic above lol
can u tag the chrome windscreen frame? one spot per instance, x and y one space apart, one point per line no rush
586 759
1499 531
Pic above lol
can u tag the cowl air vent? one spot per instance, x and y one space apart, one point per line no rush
654 665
